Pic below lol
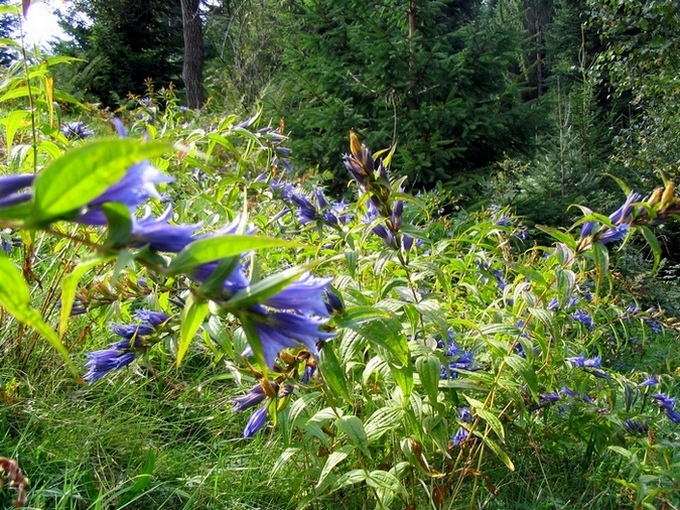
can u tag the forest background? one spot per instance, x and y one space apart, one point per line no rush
496 118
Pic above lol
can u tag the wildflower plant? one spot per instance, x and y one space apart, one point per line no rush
398 354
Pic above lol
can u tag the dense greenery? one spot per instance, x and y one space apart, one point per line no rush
193 320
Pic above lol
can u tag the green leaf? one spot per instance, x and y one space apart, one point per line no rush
601 259
119 224
143 479
382 421
12 124
15 297
350 478
353 428
525 370
193 315
558 235
84 173
653 243
429 370
333 373
333 460
500 453
490 418
263 289
384 480
212 249
566 283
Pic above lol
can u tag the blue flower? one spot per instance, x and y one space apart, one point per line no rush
116 356
304 296
549 398
255 423
650 381
587 229
461 435
664 401
654 326
581 361
584 318
568 392
76 130
159 235
554 304
281 330
623 213
10 186
635 427
672 415
153 318
333 302
397 215
131 331
254 397
465 415
612 235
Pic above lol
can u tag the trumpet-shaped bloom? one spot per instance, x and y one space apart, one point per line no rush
159 235
254 397
582 362
153 318
256 421
76 130
584 318
664 401
304 295
623 213
281 330
10 186
116 356
131 331
461 435
617 233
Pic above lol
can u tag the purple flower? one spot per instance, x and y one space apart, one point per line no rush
654 326
281 330
584 318
554 304
461 435
549 398
159 235
568 392
116 356
587 229
617 233
131 331
153 318
76 130
672 415
650 381
465 415
304 295
136 186
255 423
635 427
580 361
308 373
397 215
664 401
622 214
254 397
333 302
9 187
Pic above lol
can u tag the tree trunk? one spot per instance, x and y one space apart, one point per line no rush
192 71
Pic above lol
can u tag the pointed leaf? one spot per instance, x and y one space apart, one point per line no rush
193 315
213 249
84 173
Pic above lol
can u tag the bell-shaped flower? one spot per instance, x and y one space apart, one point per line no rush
159 235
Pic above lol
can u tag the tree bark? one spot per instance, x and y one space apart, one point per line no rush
192 71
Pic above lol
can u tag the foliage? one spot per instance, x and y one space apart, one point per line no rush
123 44
441 87
389 352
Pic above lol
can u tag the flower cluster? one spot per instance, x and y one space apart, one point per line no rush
385 213
76 130
592 364
270 391
667 404
457 359
120 354
461 435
